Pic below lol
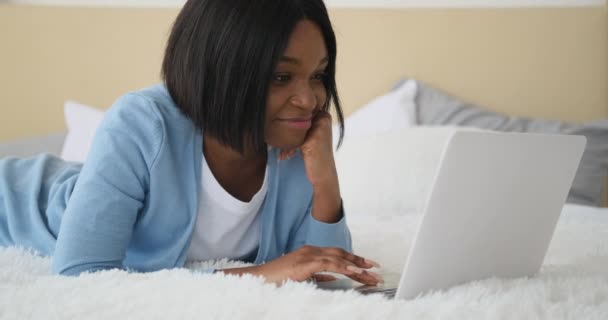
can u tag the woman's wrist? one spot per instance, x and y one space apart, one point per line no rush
257 270
327 203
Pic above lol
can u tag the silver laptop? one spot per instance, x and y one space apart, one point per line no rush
491 212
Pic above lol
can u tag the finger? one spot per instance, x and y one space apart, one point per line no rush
345 267
357 260
324 278
372 263
364 276
322 114
367 277
321 117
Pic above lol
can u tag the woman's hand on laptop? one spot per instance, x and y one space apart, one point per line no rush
306 262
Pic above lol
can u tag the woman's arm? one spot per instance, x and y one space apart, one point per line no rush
321 241
324 225
318 157
326 201
98 222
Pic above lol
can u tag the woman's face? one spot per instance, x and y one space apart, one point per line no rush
296 90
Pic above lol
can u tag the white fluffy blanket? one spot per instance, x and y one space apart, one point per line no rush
573 284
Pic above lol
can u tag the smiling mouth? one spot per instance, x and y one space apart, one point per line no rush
297 123
303 119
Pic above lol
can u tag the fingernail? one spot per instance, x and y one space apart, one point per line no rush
373 263
376 276
354 269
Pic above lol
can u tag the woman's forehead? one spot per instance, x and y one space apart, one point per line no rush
306 45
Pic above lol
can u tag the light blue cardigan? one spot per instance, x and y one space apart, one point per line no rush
133 204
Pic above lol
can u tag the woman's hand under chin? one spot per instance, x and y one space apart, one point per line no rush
317 153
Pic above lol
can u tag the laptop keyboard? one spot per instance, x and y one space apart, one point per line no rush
390 292
388 288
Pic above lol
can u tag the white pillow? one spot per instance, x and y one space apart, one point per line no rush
391 173
392 111
82 122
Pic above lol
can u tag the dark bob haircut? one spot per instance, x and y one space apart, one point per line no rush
221 56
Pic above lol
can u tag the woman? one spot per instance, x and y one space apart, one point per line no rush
231 157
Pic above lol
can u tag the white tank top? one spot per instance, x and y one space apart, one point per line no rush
225 227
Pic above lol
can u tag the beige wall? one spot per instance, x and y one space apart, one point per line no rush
91 55
549 63
537 62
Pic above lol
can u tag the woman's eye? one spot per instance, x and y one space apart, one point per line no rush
320 76
281 78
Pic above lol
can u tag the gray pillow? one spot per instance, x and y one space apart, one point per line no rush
434 107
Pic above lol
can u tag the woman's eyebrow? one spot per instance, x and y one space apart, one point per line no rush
296 61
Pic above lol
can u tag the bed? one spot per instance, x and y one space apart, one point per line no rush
572 284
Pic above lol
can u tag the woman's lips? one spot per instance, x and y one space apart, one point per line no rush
298 123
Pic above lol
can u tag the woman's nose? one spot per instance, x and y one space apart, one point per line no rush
304 97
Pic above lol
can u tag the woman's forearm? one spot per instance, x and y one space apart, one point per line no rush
254 270
327 202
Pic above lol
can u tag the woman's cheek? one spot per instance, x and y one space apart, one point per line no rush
321 95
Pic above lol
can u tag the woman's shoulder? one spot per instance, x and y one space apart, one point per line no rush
151 102
148 120
151 108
